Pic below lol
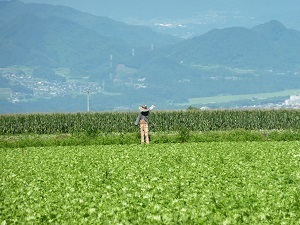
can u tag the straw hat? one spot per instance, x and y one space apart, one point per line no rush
143 108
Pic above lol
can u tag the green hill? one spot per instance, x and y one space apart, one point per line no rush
39 34
127 65
268 46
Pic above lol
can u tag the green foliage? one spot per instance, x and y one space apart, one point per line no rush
195 183
184 134
192 108
86 139
160 121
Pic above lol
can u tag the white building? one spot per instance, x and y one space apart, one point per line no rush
294 101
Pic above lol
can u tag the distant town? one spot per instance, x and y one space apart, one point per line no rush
28 88
292 102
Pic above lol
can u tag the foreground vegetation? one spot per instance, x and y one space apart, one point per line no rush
202 167
190 183
161 121
183 135
193 125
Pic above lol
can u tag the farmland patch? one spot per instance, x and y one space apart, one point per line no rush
191 183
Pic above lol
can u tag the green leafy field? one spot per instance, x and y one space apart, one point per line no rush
190 183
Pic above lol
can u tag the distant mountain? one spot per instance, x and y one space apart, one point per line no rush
192 18
57 36
134 35
53 41
228 61
205 65
268 46
35 34
126 65
285 42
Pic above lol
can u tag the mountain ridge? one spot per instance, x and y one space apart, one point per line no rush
97 23
243 47
132 64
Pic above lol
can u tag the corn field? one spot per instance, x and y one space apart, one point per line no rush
160 121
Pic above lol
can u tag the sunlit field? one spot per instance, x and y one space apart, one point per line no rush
174 183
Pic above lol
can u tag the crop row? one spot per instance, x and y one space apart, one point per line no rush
198 183
160 121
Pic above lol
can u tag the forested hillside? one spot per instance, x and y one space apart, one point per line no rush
53 54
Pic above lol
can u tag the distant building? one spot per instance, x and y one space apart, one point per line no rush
294 101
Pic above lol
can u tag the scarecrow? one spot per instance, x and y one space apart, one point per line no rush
143 120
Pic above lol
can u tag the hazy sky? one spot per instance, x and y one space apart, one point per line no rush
287 11
165 6
133 7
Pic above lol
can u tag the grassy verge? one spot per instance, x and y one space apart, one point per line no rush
183 135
